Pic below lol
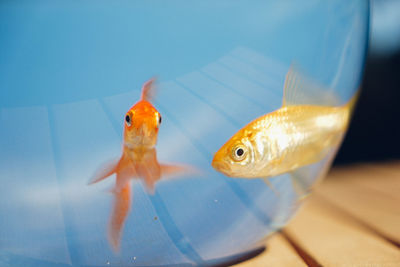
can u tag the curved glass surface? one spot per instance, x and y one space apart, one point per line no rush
70 70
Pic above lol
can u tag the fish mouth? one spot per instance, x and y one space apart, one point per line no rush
220 166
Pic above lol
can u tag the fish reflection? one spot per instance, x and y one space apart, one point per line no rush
307 127
138 160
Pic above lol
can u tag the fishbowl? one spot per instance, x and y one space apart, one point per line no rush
167 133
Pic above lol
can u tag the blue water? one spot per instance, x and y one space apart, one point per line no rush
70 70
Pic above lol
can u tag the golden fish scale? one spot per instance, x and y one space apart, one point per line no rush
294 136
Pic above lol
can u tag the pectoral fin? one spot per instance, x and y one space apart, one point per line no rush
153 173
299 179
270 185
104 171
173 171
299 90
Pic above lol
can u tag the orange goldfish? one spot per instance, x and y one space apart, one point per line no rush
307 128
138 160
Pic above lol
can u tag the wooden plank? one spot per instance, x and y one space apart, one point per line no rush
334 239
390 171
392 166
377 209
278 253
385 182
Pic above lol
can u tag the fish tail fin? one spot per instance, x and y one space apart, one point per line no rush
122 204
348 109
103 172
270 185
350 105
147 92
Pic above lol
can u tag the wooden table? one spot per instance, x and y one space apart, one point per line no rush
352 219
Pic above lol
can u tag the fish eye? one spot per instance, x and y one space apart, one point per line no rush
128 120
239 152
159 120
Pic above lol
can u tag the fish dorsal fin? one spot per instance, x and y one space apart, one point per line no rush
299 90
148 90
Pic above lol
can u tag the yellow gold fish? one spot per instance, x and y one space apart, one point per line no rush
297 134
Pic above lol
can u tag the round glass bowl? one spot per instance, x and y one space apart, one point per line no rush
70 70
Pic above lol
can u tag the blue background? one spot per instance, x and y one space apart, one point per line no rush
70 70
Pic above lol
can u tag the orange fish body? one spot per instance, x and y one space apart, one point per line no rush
138 160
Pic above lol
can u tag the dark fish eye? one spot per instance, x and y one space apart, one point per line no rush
159 120
128 120
239 152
